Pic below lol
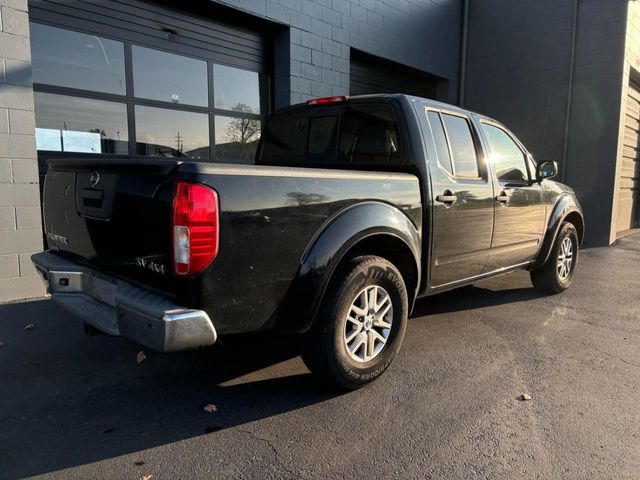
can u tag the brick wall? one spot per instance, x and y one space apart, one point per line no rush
424 34
20 223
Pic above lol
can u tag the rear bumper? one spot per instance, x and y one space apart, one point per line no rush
120 308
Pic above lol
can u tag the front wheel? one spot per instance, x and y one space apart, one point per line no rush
556 274
360 325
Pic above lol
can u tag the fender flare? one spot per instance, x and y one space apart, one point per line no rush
328 248
565 206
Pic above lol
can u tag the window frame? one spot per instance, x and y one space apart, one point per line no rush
514 139
482 171
130 100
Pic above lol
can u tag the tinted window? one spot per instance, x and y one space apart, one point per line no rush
369 135
440 139
507 160
171 133
73 124
283 140
76 60
463 150
168 77
236 89
322 135
236 139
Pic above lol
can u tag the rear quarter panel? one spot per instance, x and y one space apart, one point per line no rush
270 217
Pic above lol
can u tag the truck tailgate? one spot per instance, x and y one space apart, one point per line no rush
112 215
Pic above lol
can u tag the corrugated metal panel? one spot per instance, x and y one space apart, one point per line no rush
629 174
373 75
161 26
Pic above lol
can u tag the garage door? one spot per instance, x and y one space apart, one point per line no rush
629 176
135 78
369 74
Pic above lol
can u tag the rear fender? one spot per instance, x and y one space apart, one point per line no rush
331 245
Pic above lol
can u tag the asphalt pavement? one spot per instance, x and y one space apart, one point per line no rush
74 407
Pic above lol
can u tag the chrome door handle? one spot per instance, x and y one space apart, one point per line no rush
502 198
447 198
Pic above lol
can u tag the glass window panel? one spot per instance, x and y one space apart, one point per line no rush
440 139
168 77
76 60
322 135
463 150
236 139
82 124
284 139
236 90
369 135
171 133
507 160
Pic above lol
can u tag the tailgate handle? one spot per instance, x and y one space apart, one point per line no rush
92 198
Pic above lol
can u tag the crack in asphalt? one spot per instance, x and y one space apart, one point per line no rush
273 449
605 352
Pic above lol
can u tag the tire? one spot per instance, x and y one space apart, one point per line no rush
329 348
551 278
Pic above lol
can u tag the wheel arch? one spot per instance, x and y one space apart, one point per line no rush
566 209
370 228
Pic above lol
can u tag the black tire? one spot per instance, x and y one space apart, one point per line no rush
547 279
324 348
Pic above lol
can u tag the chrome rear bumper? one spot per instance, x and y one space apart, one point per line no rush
120 308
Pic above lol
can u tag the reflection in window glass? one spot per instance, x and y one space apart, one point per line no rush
236 90
73 124
369 135
76 60
170 78
322 135
507 160
236 139
440 139
463 150
171 133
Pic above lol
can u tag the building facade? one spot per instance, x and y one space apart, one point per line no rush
166 78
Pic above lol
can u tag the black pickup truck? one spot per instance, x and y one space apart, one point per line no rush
354 208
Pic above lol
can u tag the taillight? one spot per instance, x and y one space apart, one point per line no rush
195 228
326 100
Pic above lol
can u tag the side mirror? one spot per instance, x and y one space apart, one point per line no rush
546 169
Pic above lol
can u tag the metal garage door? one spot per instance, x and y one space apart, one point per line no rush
629 176
369 74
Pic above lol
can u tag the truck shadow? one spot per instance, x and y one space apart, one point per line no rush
69 400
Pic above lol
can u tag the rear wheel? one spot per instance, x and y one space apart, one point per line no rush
360 325
556 274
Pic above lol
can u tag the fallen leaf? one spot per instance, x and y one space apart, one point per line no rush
140 356
210 408
525 397
29 327
146 477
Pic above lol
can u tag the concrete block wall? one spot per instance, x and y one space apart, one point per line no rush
424 34
20 220
519 70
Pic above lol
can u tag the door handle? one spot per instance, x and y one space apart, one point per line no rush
502 198
447 198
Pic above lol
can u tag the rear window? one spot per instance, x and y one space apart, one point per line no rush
363 135
283 140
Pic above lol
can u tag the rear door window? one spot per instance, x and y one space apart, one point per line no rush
463 148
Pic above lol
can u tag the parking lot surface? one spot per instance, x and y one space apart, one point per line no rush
74 407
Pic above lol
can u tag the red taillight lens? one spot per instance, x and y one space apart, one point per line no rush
195 228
